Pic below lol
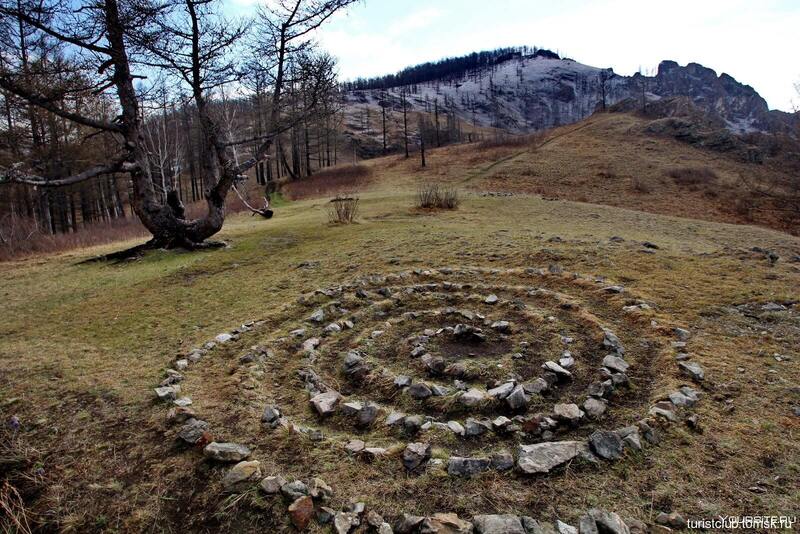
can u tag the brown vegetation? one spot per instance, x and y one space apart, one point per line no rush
437 196
343 209
329 182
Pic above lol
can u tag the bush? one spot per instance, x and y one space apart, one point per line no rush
343 209
692 175
435 196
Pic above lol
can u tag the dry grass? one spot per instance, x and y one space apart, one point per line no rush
693 175
83 345
21 237
337 180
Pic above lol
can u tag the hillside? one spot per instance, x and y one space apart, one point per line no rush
84 345
526 93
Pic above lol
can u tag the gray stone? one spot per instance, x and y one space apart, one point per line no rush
456 427
367 415
669 415
542 457
491 299
502 461
606 444
167 393
682 399
415 455
223 338
532 526
672 520
241 476
564 528
682 334
445 524
412 423
294 490
226 452
402 381
538 386
394 418
501 326
556 369
193 431
649 433
439 391
568 412
344 522
693 370
183 402
613 289
272 485
325 403
351 408
498 524
408 523
271 414
611 341
502 391
615 363
310 344
517 400
459 466
472 397
355 446
594 407
566 361
317 317
419 390
475 427
320 490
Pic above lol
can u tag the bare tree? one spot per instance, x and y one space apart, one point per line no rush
188 41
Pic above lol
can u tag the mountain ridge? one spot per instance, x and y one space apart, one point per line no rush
526 93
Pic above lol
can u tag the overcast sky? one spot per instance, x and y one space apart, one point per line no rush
755 41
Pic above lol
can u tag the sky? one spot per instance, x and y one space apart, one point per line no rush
755 41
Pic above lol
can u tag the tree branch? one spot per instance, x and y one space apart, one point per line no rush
13 175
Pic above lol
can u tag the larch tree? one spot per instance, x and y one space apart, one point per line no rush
118 44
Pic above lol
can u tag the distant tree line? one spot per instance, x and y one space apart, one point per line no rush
446 68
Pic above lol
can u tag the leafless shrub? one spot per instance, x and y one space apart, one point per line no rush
692 175
343 209
436 196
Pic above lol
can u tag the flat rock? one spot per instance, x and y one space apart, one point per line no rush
498 524
615 363
445 524
241 476
568 412
460 466
194 431
693 370
606 444
502 391
472 397
556 369
325 403
272 485
598 521
542 457
226 452
419 390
